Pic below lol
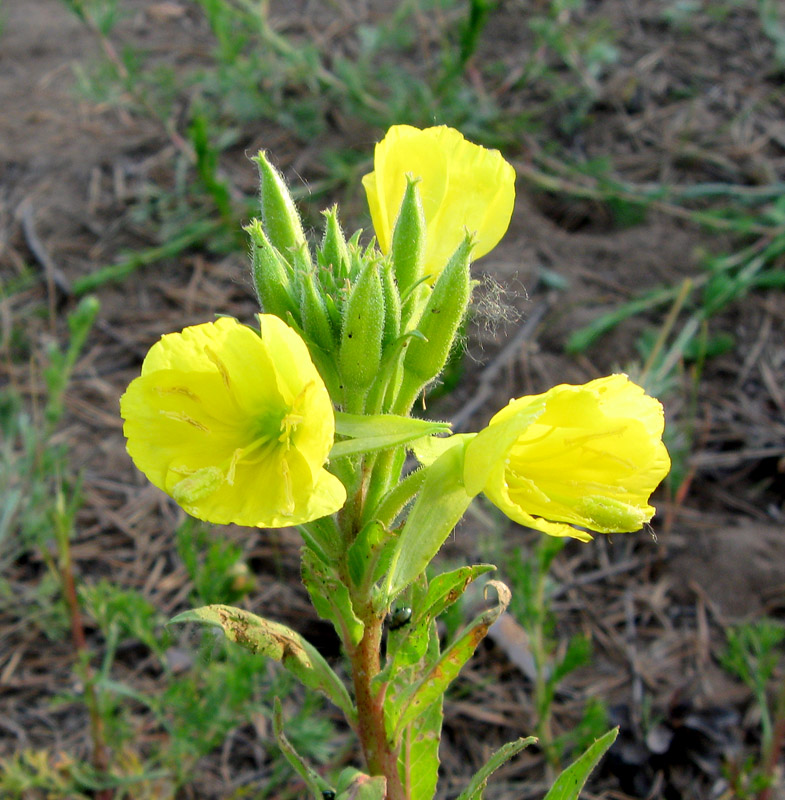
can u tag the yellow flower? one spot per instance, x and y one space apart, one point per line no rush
463 187
577 455
235 426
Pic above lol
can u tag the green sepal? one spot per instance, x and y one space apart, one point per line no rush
315 783
433 682
279 214
440 504
569 784
361 336
334 251
408 240
489 448
476 787
272 275
355 785
331 598
273 640
371 433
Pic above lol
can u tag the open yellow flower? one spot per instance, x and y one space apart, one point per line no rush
235 426
587 456
463 187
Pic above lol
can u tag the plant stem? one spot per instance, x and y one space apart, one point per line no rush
380 758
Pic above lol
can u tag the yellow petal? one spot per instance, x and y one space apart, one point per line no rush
235 426
463 187
587 456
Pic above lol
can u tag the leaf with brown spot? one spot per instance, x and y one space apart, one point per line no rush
415 700
273 640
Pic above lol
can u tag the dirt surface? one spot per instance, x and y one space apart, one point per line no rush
701 106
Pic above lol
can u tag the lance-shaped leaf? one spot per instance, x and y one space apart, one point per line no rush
420 753
476 787
569 784
415 700
440 505
315 783
442 592
271 639
370 433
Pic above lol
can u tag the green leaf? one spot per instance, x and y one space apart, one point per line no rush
440 505
420 753
331 598
569 784
271 639
315 783
369 554
371 433
446 588
356 785
416 699
476 787
408 646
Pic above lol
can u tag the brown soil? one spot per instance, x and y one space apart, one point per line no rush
655 606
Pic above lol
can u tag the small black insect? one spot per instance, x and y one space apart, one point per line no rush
400 617
328 794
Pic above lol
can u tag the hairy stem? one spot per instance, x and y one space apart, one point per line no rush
380 757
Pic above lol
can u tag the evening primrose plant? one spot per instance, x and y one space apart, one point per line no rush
303 417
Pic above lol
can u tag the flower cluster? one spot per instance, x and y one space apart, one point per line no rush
237 424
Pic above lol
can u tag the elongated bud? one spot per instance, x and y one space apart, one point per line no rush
408 239
335 254
392 307
316 320
280 218
361 337
272 275
425 358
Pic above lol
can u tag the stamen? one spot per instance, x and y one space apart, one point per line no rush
287 488
179 416
183 390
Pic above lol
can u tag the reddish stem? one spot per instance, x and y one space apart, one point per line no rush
380 757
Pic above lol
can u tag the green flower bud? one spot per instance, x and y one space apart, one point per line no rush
425 358
272 275
334 253
281 221
316 320
361 337
408 239
392 307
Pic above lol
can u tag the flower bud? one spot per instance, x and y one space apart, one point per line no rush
316 321
272 275
361 337
425 357
392 307
408 239
335 255
281 221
